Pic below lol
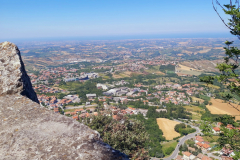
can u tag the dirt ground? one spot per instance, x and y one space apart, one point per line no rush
219 107
167 126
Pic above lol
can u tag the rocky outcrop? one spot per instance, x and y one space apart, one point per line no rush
29 131
13 76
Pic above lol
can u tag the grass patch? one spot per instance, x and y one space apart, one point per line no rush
196 116
211 86
71 85
193 108
69 110
212 144
205 97
166 145
210 139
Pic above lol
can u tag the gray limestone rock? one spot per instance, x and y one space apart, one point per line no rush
13 76
29 131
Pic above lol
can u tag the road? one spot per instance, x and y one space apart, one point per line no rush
181 142
212 155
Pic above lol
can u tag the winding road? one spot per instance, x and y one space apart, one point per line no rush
181 142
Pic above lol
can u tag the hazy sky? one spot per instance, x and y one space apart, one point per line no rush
92 18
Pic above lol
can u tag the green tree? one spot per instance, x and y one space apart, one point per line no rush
229 77
169 150
129 137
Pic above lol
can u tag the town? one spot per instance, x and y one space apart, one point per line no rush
121 91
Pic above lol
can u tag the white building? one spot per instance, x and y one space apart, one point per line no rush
103 86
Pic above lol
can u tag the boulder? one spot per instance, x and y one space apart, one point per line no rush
30 131
13 76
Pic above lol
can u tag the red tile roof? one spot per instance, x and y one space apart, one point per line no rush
216 129
187 154
206 146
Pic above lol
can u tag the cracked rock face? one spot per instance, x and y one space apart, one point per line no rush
29 131
13 76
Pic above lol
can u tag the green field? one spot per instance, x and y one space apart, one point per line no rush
170 72
211 139
196 116
166 145
193 108
69 110
204 97
70 85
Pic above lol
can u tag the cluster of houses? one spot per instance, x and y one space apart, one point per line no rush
45 89
53 103
155 61
216 130
130 67
52 73
200 143
189 156
225 153
82 77
108 110
107 86
176 97
189 88
61 73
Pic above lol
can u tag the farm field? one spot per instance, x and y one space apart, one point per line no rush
219 107
167 126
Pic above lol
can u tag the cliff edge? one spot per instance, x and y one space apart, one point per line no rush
29 131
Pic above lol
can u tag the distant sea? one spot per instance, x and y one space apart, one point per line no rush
126 37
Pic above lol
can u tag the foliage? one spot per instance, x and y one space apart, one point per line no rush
155 135
60 110
169 150
165 68
228 75
229 137
181 128
173 111
129 137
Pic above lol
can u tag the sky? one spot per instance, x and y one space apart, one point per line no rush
41 19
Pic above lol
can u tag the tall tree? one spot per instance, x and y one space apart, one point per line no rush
229 77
